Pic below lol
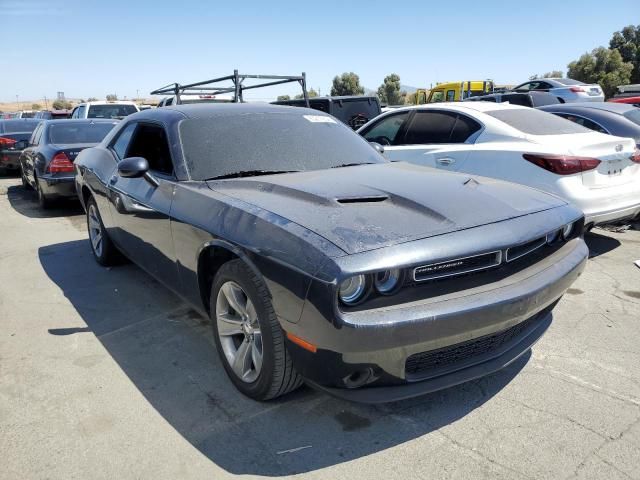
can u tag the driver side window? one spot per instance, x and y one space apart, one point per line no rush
122 142
386 130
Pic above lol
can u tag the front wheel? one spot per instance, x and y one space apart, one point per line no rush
104 251
248 336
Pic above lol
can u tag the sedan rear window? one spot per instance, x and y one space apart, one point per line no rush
535 122
110 111
568 81
633 115
16 126
78 132
228 144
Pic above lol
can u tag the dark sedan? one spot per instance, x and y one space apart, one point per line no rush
14 137
317 260
616 119
47 164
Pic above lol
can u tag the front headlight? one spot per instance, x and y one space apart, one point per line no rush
567 230
352 289
387 281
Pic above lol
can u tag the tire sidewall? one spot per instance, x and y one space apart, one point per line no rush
239 273
100 259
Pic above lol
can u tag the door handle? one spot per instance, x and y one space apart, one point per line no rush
445 161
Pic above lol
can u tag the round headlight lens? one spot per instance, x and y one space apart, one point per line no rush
387 280
352 289
567 230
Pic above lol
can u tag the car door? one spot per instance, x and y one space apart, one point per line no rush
434 138
141 207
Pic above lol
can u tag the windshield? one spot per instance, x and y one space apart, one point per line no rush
110 111
536 122
229 144
79 132
633 115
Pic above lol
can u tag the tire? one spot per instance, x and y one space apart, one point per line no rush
275 376
25 182
44 201
104 251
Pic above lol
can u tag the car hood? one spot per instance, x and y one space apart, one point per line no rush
366 207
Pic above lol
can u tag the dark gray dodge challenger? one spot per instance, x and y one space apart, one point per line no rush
319 261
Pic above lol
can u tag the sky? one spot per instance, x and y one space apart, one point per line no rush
90 48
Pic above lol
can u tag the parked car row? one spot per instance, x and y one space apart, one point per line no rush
424 250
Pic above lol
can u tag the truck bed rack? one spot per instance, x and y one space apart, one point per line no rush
235 84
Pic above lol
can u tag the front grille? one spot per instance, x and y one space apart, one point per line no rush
458 266
525 248
434 360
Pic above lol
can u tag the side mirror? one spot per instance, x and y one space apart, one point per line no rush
136 167
379 148
133 167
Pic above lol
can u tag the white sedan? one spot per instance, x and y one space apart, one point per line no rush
598 173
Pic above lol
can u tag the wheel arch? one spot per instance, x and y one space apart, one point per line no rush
211 256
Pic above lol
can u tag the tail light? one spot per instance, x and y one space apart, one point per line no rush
577 89
635 156
7 142
562 164
60 163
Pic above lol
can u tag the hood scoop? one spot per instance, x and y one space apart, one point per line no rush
368 199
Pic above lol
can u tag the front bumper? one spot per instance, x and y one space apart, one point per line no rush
57 186
364 356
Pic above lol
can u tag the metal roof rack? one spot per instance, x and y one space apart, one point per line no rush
237 86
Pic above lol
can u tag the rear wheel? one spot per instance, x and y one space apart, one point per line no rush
248 336
25 182
104 251
43 200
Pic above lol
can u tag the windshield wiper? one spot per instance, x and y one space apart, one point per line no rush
352 164
250 173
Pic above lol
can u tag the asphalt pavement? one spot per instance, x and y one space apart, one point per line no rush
104 373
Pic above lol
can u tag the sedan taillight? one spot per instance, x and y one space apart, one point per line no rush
635 156
60 163
562 164
577 89
7 142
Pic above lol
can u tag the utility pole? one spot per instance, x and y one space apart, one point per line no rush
46 103
18 102
137 95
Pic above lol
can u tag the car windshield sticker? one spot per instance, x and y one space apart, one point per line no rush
319 119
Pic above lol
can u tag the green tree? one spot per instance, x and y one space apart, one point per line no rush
112 97
61 105
627 42
36 106
347 84
603 66
310 93
389 92
283 98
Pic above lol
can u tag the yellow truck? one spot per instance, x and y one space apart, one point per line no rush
454 91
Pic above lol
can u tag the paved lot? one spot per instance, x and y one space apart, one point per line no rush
105 374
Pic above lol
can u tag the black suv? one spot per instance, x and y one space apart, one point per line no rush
355 111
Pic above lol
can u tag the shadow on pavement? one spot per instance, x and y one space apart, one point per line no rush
167 351
25 202
600 244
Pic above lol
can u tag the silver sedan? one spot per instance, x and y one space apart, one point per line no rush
566 89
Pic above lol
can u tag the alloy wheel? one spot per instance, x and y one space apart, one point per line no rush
239 332
95 230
